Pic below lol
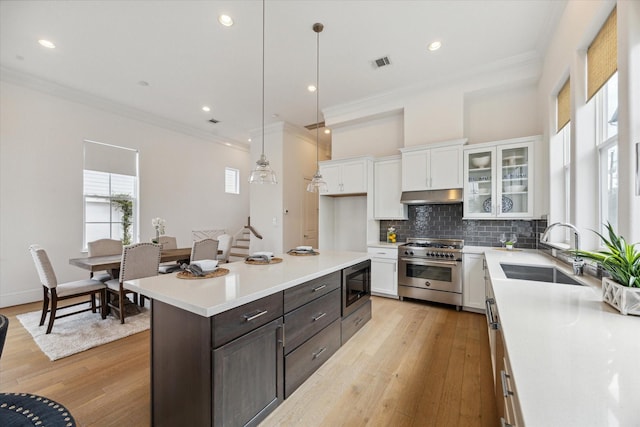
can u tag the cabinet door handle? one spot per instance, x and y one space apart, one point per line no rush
358 321
252 316
322 350
320 316
492 322
319 288
505 386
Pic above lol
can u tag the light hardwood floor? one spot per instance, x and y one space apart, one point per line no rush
413 364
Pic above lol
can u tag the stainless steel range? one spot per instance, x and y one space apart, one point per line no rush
431 270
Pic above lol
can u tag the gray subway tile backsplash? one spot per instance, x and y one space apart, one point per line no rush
445 221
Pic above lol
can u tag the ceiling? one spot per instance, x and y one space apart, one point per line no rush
105 49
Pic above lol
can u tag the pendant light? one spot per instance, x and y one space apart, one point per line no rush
262 174
317 184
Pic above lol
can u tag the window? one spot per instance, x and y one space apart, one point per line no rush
231 181
110 189
565 134
606 120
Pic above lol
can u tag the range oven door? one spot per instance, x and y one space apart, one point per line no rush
356 286
430 274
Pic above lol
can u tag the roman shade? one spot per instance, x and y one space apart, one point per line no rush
111 159
602 55
564 106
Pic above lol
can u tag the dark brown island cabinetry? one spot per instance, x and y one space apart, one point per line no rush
234 368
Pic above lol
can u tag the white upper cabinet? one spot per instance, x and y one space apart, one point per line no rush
499 179
432 167
387 188
346 176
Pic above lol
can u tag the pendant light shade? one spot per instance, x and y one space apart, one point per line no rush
262 174
317 184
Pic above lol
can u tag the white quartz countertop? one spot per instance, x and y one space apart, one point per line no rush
244 283
574 358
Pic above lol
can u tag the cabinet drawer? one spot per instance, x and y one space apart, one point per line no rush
308 291
355 321
302 362
388 253
238 321
303 323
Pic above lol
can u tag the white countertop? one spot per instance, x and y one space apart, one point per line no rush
574 358
243 284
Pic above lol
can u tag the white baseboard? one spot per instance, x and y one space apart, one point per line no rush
18 298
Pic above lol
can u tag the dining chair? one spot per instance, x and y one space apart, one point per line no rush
224 244
168 242
4 326
103 247
204 249
54 291
138 261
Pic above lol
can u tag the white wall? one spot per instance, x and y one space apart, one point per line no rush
41 163
566 56
379 136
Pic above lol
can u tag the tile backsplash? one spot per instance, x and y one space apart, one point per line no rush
445 221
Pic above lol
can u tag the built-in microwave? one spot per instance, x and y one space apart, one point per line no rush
356 286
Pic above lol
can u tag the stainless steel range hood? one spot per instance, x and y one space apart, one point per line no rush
431 197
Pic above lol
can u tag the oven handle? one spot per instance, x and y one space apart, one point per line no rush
422 262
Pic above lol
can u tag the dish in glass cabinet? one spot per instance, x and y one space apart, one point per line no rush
507 204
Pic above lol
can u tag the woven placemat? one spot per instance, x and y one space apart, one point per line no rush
274 260
303 253
216 273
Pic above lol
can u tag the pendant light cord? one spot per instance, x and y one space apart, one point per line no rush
263 44
317 99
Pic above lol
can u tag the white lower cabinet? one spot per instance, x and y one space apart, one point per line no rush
384 271
473 292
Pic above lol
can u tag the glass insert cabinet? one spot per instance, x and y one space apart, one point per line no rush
498 181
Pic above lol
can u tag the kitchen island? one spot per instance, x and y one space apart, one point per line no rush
573 359
219 352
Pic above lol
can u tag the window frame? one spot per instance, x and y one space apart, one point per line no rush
236 183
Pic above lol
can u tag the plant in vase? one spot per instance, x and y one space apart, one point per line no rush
158 224
622 261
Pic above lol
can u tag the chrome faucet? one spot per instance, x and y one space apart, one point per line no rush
578 263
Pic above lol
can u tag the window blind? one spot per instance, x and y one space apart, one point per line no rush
564 106
109 158
602 55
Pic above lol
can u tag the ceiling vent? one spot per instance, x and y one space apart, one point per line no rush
214 121
381 62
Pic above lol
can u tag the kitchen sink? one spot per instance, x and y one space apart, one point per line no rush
537 274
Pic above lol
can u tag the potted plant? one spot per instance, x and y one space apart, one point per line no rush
622 261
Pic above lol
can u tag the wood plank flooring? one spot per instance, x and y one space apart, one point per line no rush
413 364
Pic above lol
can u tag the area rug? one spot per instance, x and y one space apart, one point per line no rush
80 332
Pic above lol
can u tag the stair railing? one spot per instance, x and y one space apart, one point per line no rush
252 230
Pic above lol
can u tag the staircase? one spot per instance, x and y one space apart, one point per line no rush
240 247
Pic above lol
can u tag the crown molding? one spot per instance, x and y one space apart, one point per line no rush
528 65
30 81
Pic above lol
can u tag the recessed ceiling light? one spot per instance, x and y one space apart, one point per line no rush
225 20
205 108
311 88
327 131
435 46
228 144
249 140
46 43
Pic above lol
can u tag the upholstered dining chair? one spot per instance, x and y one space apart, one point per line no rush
204 249
224 244
168 242
54 291
103 247
138 261
4 327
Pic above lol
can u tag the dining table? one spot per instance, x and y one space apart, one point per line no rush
111 263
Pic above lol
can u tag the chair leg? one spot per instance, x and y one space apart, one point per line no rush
93 303
104 305
45 305
121 306
54 306
142 298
